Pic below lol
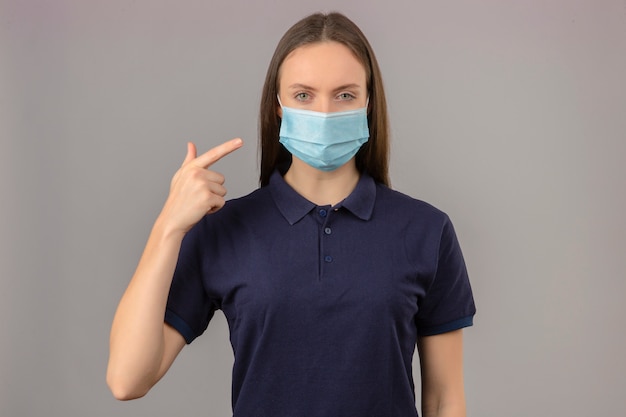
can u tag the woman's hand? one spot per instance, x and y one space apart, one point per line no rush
195 190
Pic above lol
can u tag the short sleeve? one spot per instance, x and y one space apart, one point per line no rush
448 303
189 308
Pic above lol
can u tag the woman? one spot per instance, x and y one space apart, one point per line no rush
327 277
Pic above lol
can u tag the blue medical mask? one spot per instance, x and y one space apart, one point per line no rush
324 141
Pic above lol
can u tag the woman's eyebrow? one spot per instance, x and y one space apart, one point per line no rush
298 86
351 86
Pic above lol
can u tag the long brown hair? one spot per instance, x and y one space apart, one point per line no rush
373 157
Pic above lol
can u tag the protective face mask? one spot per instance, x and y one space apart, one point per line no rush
324 141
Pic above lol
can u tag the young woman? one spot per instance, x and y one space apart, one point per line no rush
327 277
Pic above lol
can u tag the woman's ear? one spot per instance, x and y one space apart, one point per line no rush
279 108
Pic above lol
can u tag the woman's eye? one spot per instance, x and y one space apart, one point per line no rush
346 96
302 96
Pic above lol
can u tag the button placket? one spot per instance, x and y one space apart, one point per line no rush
325 232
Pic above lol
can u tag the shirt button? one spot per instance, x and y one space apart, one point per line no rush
328 258
323 212
328 231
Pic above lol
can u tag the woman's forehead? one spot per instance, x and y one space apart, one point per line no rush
325 63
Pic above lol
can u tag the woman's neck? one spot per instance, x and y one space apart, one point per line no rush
321 187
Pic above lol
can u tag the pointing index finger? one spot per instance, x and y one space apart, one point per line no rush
212 156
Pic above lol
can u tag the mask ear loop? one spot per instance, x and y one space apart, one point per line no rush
279 113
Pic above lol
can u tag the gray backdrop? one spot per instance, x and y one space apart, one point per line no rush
508 115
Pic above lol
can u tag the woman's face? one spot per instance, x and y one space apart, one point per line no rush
324 77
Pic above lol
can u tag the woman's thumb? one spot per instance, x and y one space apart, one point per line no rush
191 153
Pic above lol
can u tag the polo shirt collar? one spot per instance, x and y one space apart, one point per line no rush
361 201
294 207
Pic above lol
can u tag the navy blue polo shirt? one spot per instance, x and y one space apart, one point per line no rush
324 304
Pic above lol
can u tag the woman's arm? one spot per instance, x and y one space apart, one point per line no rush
441 360
142 346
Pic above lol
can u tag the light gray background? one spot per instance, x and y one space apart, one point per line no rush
508 115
